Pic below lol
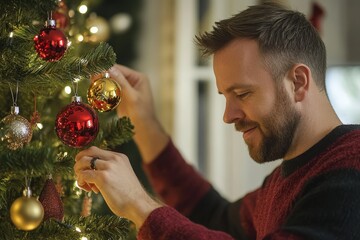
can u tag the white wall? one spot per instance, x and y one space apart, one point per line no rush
335 27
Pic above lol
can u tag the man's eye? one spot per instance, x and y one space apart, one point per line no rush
243 95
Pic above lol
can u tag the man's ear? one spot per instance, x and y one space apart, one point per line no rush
300 75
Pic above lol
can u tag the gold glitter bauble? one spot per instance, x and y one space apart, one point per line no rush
15 130
104 94
26 213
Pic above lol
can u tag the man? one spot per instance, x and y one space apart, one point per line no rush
270 65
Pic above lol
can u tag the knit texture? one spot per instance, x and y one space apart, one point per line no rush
313 196
178 183
166 223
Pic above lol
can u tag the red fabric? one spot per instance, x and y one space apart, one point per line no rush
178 183
262 212
166 223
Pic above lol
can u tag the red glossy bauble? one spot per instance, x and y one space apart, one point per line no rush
61 16
77 124
50 43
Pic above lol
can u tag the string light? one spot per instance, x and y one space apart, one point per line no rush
77 189
67 89
83 9
94 29
11 37
80 37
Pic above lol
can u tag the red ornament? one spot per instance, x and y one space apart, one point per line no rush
77 124
51 43
51 201
61 16
317 16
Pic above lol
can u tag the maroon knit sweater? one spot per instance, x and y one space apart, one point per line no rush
313 196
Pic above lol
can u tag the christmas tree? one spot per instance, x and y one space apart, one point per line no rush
50 110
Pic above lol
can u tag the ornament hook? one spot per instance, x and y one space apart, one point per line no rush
14 99
27 190
75 82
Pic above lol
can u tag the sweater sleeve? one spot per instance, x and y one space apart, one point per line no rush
166 223
176 182
181 187
215 212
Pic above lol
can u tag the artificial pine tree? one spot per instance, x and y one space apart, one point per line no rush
38 196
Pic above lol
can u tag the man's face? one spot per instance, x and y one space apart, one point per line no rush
258 107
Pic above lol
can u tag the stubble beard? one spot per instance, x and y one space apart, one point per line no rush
277 130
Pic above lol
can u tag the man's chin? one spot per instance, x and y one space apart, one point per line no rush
255 154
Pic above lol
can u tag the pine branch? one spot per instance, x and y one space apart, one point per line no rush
34 161
45 154
16 13
46 77
116 133
92 227
103 227
94 61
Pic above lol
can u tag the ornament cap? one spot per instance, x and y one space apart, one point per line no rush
15 110
27 192
76 99
50 23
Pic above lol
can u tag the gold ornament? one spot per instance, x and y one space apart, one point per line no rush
15 129
104 94
26 212
99 28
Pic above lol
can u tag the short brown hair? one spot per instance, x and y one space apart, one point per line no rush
285 37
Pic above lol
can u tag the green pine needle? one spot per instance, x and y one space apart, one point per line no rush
92 227
117 133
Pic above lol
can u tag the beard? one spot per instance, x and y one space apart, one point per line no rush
277 130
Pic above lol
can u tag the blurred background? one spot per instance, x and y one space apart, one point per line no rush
160 37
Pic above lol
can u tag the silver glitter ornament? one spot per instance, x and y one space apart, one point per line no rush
15 129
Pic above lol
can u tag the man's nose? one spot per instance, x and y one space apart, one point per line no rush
232 113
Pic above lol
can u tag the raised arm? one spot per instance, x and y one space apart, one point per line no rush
138 104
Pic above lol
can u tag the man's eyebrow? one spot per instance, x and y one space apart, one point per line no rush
236 86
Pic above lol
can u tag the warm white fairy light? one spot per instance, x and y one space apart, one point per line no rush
83 238
11 34
39 125
77 189
71 13
94 29
120 22
83 9
76 184
67 89
80 37
77 229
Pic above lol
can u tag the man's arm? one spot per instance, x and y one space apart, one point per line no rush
137 103
167 223
181 187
